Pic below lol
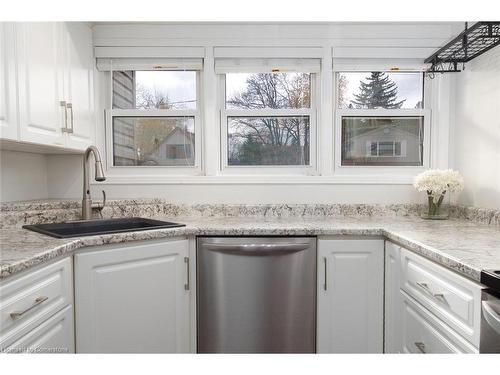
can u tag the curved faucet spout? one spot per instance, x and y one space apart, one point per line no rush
99 176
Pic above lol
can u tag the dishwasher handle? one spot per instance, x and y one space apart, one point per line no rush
491 316
257 249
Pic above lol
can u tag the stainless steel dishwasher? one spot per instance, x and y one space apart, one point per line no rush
256 295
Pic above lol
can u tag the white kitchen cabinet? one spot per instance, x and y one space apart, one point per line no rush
40 82
451 297
79 84
392 316
55 335
133 299
8 93
350 296
422 332
53 92
36 313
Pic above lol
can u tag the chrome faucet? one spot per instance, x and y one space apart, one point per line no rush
99 176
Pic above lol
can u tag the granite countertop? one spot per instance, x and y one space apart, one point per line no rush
463 246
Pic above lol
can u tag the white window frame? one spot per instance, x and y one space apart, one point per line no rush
311 112
404 173
152 171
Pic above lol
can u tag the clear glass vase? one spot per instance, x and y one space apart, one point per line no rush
438 206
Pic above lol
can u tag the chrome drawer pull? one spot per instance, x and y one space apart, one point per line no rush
65 128
70 106
424 286
420 346
38 301
325 285
186 286
439 296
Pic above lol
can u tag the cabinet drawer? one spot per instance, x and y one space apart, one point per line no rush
55 335
424 333
32 298
453 298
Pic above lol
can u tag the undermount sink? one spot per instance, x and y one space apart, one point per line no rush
104 226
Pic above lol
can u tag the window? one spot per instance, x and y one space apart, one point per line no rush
387 90
384 149
154 118
267 119
381 119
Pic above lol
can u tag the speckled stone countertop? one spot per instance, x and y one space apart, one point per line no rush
463 246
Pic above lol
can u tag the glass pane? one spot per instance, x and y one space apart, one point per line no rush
154 89
380 141
268 140
268 90
387 90
153 141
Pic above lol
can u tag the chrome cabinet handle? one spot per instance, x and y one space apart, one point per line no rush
38 301
439 296
420 346
65 128
70 107
186 260
325 261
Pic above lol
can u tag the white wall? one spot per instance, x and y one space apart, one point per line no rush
475 130
23 176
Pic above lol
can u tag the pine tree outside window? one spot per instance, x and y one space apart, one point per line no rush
381 108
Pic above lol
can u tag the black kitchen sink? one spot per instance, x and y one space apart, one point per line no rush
104 226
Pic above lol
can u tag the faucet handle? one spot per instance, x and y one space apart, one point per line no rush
103 199
99 206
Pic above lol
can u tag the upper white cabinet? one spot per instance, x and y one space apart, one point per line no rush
133 299
350 296
41 88
54 83
79 84
8 94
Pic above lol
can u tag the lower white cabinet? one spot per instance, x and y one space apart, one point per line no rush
392 316
133 299
36 310
428 308
55 335
422 332
350 296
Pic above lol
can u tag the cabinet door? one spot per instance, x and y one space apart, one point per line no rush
350 296
393 332
41 64
79 77
8 94
422 332
55 335
133 299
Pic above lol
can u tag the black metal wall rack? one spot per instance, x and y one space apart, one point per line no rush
469 44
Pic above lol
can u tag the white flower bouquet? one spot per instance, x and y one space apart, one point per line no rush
437 182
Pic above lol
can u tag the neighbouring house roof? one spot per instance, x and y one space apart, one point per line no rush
188 136
394 130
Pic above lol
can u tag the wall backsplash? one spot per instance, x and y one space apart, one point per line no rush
35 212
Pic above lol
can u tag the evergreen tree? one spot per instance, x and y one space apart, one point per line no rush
378 91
